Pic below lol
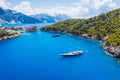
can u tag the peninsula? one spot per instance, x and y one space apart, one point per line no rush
12 32
8 33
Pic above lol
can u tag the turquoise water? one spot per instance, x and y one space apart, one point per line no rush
37 57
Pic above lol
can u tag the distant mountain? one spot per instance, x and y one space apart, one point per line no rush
10 16
51 19
13 17
61 17
44 18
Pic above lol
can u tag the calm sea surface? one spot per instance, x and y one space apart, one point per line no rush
37 57
26 25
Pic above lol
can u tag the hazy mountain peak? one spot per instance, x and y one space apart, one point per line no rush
51 18
11 16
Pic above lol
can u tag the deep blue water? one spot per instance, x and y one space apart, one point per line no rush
37 57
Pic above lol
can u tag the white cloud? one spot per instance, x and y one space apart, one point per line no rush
73 11
5 4
97 4
112 5
76 10
24 7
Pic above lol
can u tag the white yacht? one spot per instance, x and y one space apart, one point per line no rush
74 53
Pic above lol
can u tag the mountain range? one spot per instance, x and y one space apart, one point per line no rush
51 19
8 16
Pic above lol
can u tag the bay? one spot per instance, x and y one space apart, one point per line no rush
37 57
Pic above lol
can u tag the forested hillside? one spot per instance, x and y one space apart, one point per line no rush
101 26
105 27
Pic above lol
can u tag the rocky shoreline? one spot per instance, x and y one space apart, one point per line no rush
13 32
9 37
109 50
114 51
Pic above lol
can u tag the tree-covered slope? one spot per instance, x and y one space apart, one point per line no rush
105 27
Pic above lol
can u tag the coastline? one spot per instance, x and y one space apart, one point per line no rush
109 50
12 32
107 53
9 37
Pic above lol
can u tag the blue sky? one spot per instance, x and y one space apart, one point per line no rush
44 3
73 8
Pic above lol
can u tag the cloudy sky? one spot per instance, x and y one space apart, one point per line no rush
73 8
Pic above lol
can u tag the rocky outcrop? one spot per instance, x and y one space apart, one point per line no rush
9 37
115 51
